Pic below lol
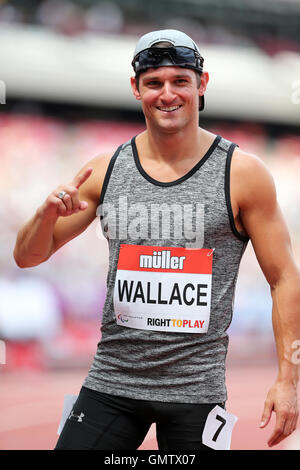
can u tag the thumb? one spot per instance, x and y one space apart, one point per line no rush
265 418
83 205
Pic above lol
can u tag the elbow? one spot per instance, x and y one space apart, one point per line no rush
288 278
17 255
17 259
23 263
19 262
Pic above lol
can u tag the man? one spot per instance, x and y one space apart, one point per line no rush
178 205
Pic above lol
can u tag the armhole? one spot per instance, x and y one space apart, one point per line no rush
108 173
241 237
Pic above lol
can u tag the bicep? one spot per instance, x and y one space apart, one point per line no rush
264 222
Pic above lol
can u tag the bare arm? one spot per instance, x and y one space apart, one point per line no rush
265 225
57 221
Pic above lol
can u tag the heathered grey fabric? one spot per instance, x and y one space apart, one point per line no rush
164 366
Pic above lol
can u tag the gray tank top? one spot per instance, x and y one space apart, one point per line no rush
174 255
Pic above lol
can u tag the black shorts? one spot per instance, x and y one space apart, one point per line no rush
104 422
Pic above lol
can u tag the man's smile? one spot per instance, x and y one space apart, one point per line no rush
168 109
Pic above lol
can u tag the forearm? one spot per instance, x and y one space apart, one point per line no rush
34 241
286 325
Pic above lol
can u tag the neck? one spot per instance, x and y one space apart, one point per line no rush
172 146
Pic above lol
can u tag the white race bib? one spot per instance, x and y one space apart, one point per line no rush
218 429
69 401
163 288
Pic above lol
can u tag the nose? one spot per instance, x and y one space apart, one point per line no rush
167 93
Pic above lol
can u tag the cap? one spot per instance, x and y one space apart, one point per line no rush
174 37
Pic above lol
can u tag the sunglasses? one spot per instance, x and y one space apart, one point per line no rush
179 56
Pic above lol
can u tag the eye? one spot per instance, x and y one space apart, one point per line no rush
153 83
181 81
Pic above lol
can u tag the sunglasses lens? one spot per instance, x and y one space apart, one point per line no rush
153 57
147 58
185 56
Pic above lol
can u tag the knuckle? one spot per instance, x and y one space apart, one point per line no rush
72 191
62 207
51 201
58 189
52 196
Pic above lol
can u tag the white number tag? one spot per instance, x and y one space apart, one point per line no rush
69 401
218 429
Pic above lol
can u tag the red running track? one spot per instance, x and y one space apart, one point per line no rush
31 405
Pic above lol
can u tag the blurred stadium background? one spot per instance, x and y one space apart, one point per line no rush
65 97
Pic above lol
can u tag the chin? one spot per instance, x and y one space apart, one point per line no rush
171 127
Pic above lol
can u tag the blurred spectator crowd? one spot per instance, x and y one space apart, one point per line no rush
56 307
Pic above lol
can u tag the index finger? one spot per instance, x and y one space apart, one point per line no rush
82 177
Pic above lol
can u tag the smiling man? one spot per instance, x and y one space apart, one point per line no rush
178 206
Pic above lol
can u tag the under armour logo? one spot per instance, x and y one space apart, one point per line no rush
76 416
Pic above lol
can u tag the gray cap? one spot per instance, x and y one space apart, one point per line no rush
177 38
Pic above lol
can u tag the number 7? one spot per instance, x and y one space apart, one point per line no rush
223 422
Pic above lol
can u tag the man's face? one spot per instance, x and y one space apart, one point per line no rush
169 96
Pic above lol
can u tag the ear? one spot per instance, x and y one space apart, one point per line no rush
204 82
134 88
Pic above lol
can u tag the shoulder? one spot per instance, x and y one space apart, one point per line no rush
252 180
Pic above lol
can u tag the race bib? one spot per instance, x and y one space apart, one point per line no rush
163 289
69 401
218 429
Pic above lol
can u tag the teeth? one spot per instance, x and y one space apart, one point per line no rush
171 108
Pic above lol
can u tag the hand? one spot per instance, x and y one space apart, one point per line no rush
282 399
55 207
